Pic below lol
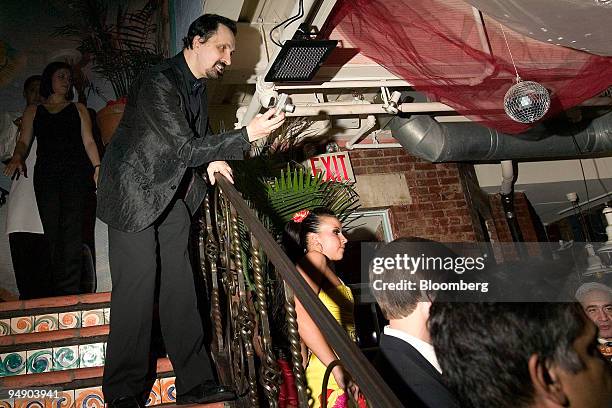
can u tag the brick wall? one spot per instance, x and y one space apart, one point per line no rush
439 209
527 221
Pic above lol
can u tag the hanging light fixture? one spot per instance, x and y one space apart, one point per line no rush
594 264
525 101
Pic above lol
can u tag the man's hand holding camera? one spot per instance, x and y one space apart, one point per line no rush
264 124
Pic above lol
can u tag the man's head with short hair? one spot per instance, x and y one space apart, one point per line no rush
397 304
510 355
209 45
205 27
31 89
596 299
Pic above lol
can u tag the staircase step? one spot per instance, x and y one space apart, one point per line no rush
213 405
67 379
27 403
53 338
72 302
82 387
89 399
55 334
34 353
49 314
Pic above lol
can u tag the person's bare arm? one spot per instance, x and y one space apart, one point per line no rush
313 269
88 141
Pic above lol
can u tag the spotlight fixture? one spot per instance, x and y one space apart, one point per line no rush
332 147
300 58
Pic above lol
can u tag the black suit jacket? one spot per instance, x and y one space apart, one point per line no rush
411 377
153 147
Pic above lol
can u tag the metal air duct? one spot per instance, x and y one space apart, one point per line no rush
424 137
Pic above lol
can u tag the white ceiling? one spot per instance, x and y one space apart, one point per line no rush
580 24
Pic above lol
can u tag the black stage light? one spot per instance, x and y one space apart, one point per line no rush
299 60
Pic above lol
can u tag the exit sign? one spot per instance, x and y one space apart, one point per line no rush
333 166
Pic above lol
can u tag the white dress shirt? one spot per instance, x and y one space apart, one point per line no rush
21 205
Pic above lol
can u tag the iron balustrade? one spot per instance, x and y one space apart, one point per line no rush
233 349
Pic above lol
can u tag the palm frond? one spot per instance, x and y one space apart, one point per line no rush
120 50
277 185
295 189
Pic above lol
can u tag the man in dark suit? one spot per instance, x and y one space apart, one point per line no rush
146 193
406 359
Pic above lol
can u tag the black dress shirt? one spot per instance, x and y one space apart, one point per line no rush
194 88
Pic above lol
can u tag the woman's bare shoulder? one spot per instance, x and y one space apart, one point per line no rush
312 266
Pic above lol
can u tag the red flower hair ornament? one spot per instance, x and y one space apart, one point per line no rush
300 215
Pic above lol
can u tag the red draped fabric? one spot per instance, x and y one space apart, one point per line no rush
440 47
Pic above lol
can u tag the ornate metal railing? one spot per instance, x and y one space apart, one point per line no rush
235 251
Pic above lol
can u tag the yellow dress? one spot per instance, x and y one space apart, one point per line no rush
339 302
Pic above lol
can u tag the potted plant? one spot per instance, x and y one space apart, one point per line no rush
121 44
277 186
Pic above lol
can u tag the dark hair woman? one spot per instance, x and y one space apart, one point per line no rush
65 172
314 240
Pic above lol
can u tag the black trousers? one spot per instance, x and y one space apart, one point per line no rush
31 264
134 260
61 207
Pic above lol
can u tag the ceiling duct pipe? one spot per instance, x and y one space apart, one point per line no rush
426 138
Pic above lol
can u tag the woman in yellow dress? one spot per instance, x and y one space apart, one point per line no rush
314 240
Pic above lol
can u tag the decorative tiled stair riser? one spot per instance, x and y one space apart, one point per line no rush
81 388
162 392
59 343
52 359
62 312
54 321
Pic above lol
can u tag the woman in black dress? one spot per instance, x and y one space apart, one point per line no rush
66 171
